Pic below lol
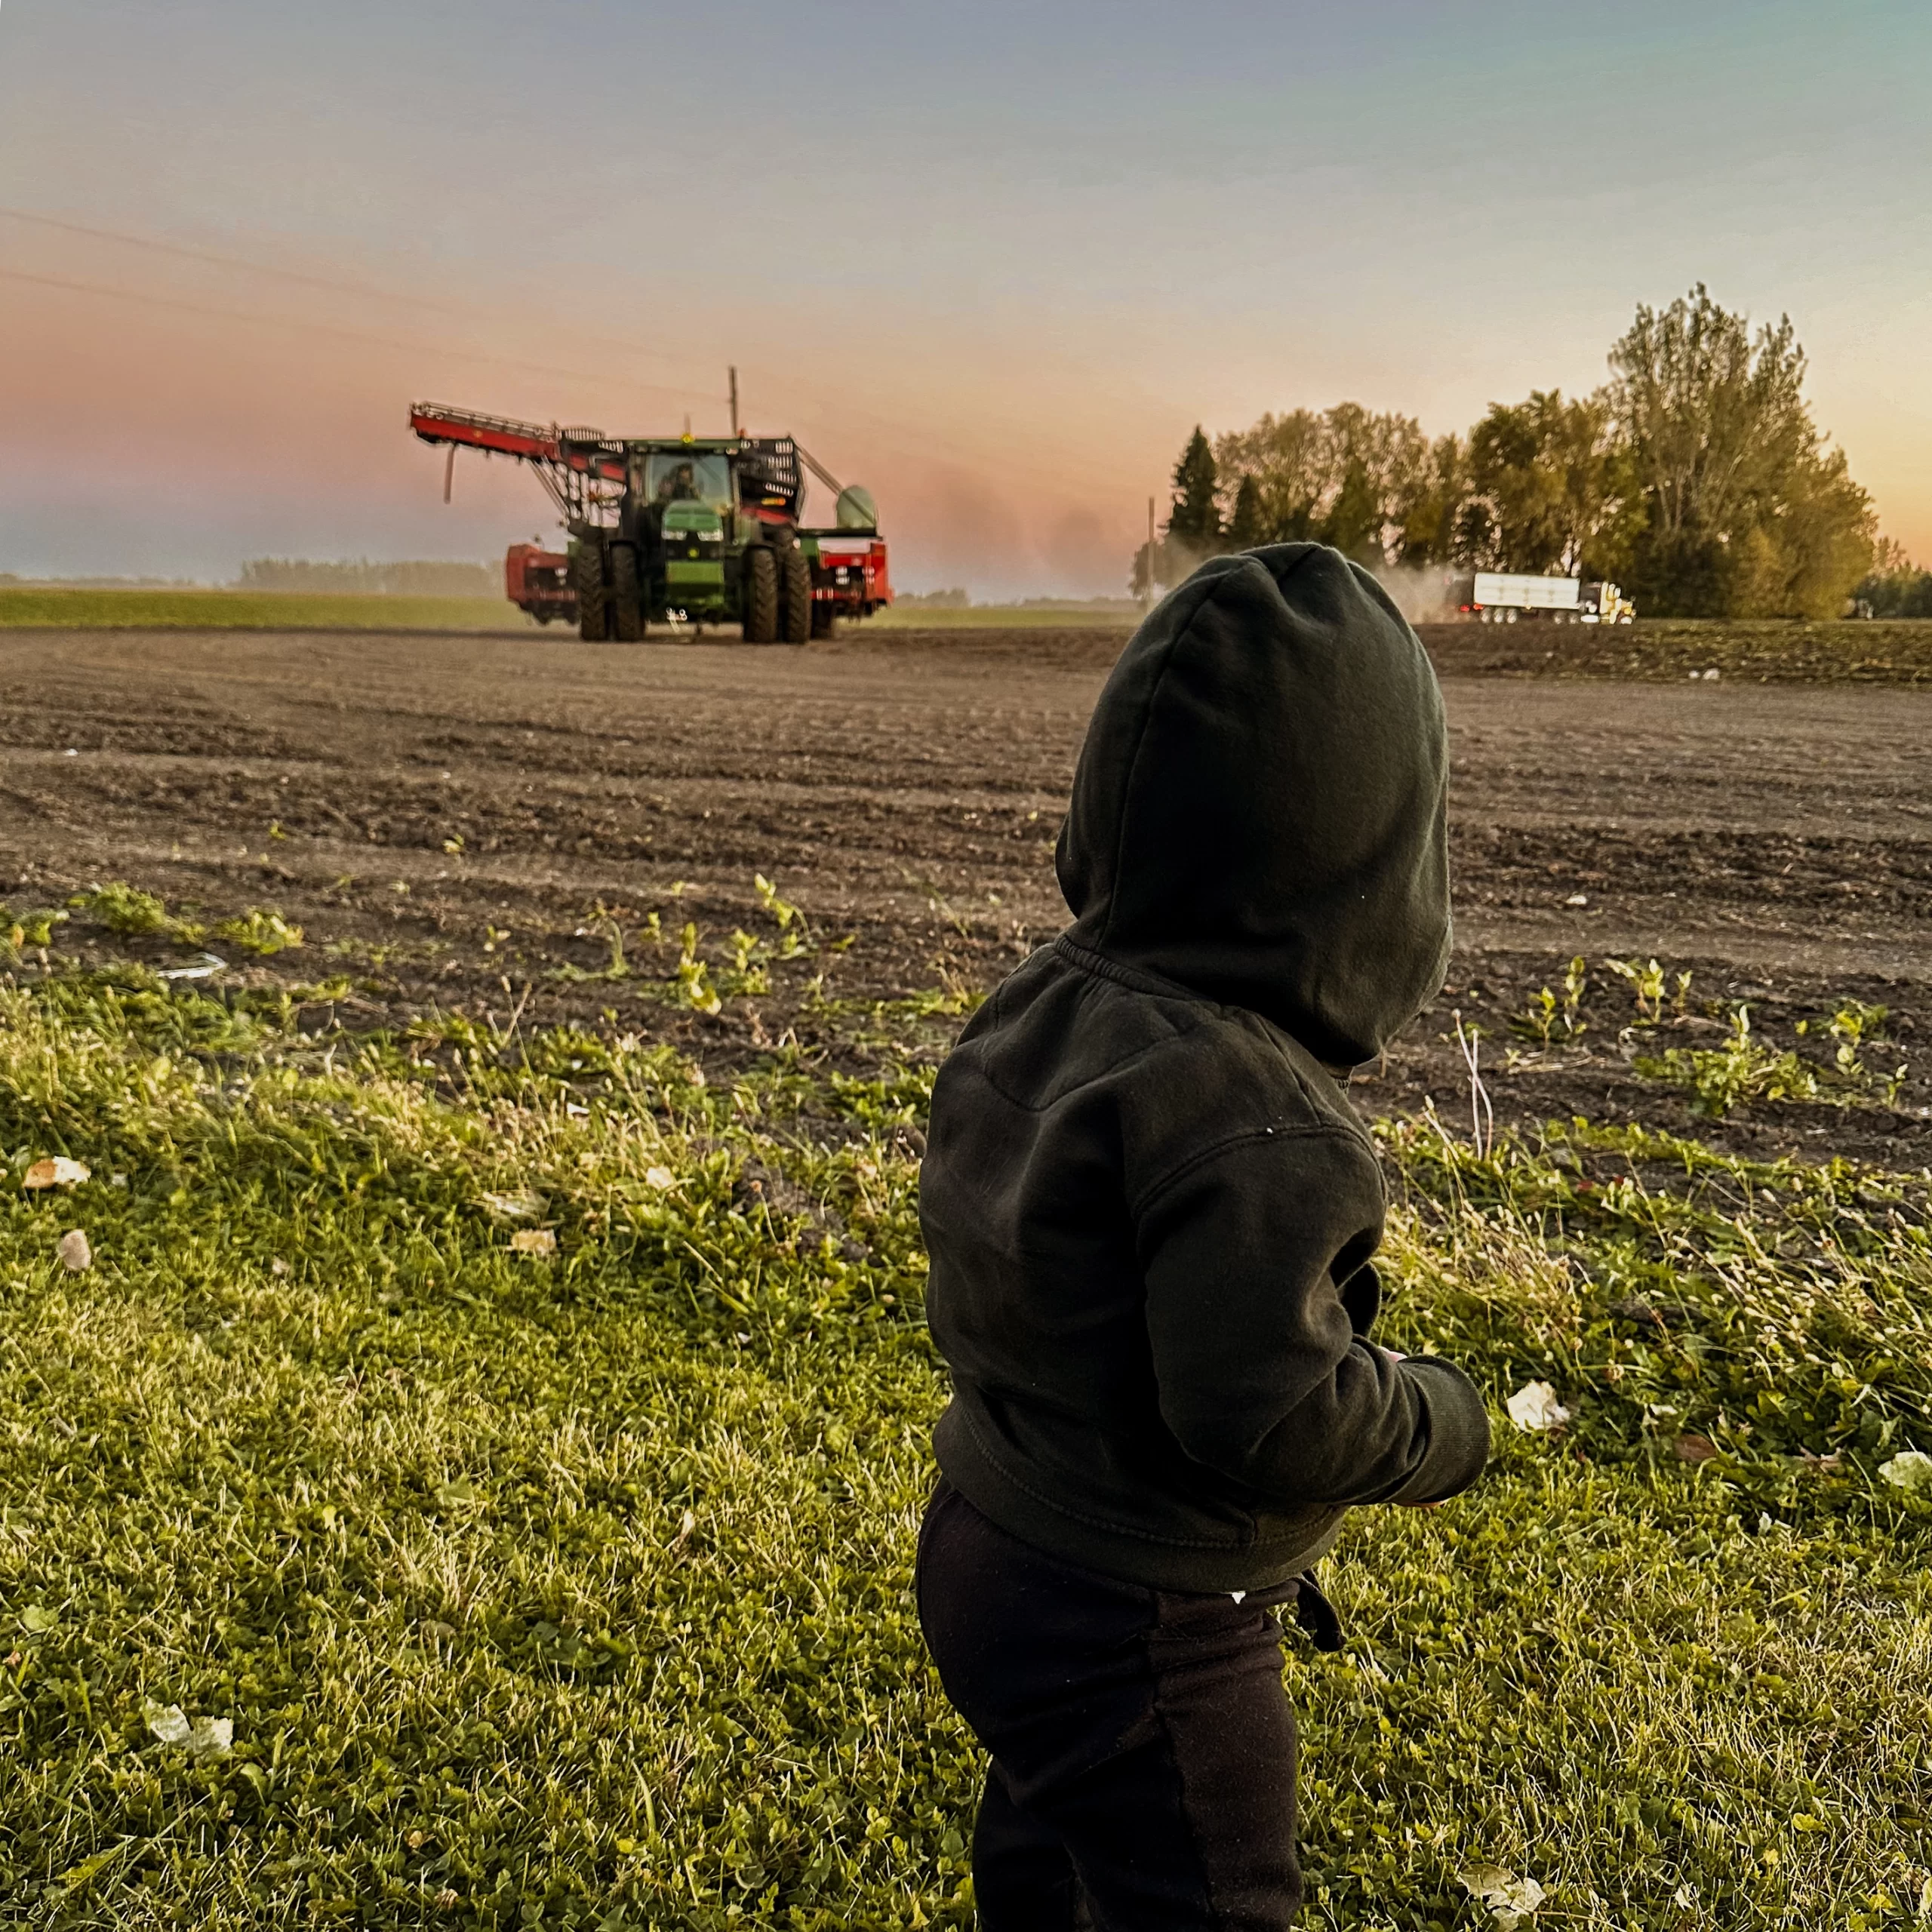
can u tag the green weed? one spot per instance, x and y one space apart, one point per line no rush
122 908
1721 1078
1548 1020
747 974
1855 1026
260 931
795 933
35 928
692 979
1648 982
608 925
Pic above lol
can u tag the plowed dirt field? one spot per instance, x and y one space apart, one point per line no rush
476 825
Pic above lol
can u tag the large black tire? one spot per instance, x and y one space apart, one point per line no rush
760 594
626 594
795 582
593 602
825 620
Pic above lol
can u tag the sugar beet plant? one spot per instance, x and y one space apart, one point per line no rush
1860 1068
739 969
472 1481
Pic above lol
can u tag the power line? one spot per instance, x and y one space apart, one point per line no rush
368 291
927 443
347 335
228 261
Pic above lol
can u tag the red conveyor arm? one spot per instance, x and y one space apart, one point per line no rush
583 450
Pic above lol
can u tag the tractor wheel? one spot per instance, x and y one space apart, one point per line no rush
593 609
626 594
825 620
795 573
760 594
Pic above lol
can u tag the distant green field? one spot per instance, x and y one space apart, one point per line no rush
28 607
39 607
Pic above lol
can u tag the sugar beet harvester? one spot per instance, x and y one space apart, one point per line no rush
684 529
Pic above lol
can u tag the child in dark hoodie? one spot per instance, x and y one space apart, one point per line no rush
1151 1211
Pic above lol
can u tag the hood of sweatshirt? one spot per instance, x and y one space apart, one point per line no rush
1258 813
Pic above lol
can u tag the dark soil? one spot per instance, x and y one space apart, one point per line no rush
467 826
1768 650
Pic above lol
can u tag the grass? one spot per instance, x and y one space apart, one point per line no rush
570 1587
30 608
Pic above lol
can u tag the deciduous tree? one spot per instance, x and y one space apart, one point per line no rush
1746 512
1894 587
1347 476
1434 507
1548 488
1697 478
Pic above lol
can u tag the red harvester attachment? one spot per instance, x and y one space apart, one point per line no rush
539 581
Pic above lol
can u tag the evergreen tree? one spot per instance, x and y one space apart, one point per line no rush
1247 529
1195 522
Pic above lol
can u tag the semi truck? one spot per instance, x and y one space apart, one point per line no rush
1500 597
679 530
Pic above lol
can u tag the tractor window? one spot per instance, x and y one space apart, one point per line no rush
673 476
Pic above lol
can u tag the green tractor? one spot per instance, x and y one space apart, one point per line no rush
687 530
693 542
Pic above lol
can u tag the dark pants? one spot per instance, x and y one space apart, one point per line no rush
1144 1752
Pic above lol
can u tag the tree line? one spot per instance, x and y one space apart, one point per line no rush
1694 477
1894 587
418 578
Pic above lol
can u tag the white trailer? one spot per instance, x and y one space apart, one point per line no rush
1501 597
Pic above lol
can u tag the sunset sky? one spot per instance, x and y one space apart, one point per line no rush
994 261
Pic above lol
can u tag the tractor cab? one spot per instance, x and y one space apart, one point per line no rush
685 476
683 487
680 507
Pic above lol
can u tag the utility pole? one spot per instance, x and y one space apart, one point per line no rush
1149 595
734 399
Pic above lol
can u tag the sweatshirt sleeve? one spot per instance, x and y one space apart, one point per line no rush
1262 1377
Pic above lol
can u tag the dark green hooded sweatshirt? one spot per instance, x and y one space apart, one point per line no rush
1149 1208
